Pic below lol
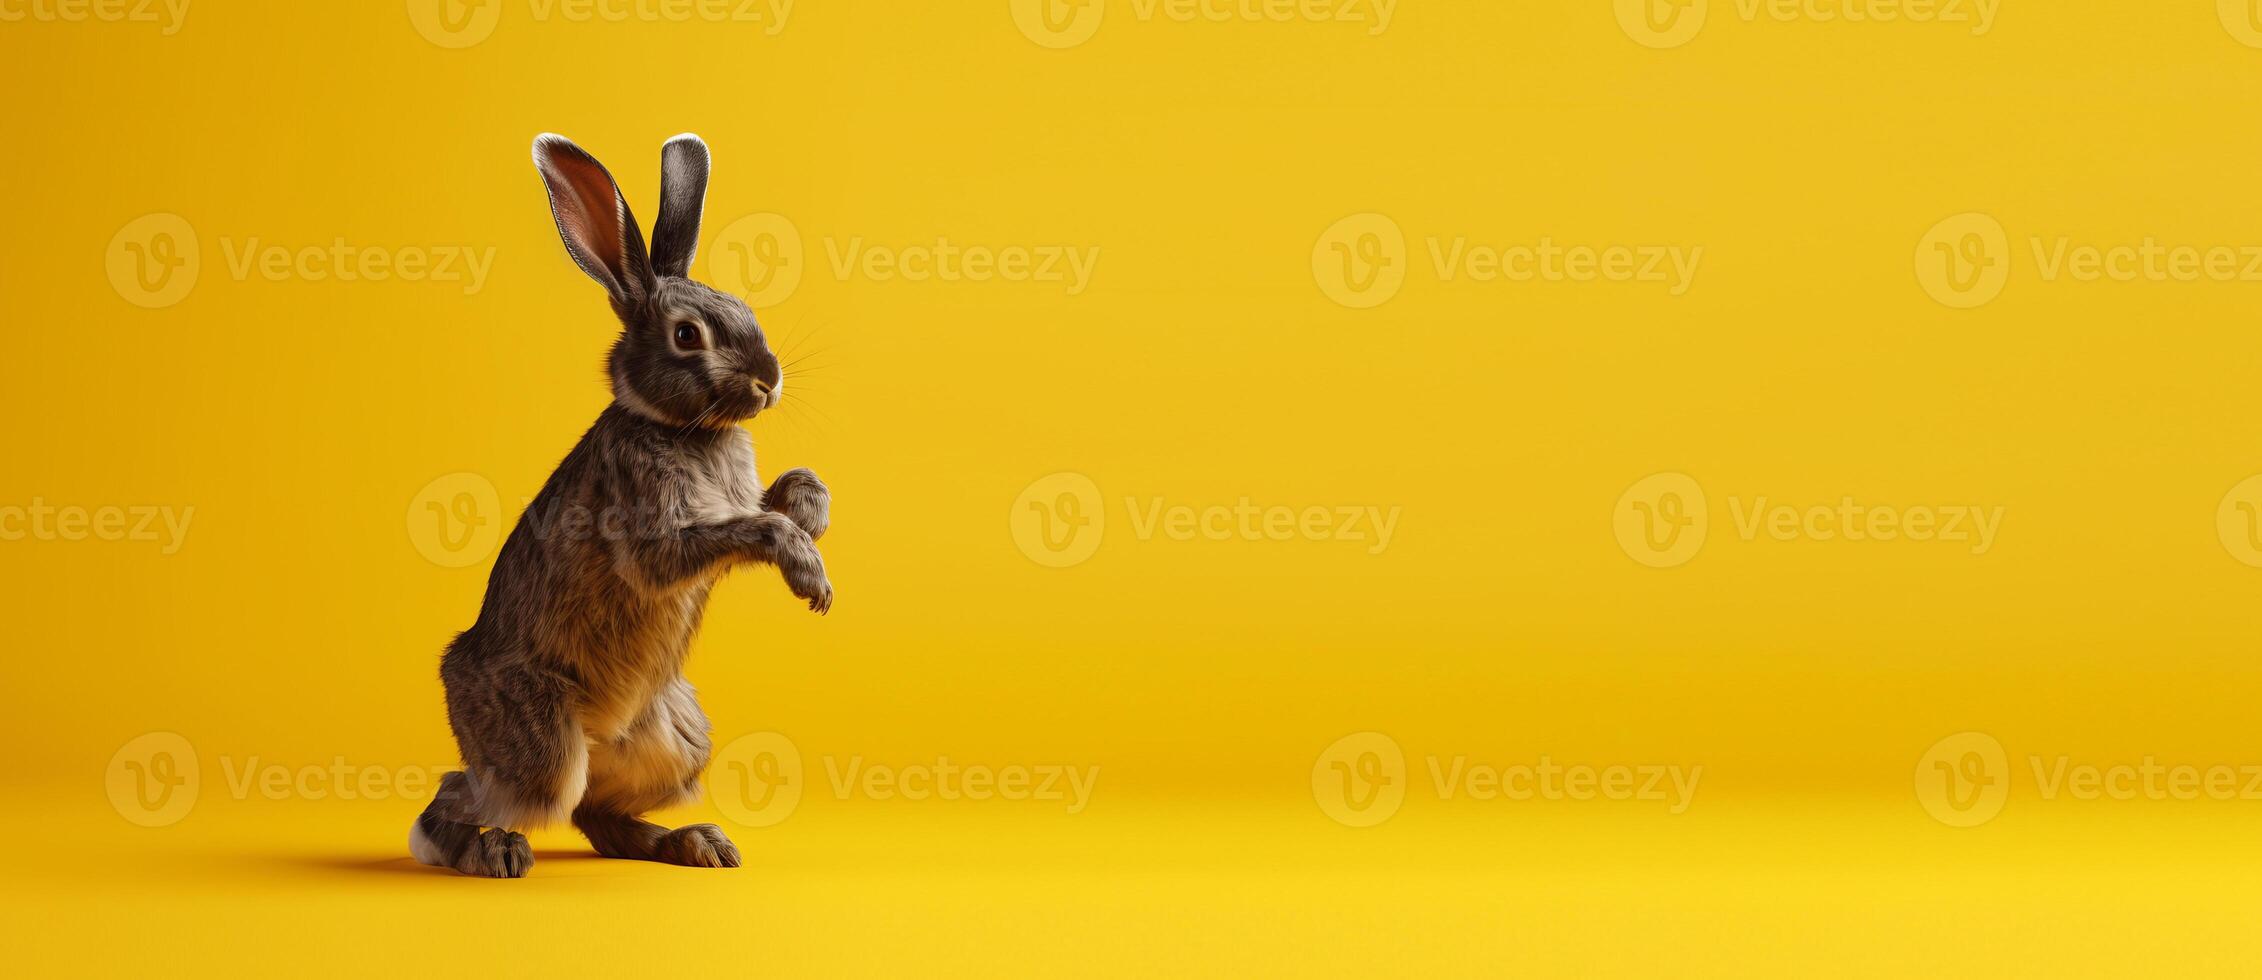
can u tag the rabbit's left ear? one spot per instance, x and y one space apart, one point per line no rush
683 195
593 219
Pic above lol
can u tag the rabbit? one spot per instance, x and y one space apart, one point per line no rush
567 696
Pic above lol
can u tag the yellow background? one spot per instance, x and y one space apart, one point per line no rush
299 623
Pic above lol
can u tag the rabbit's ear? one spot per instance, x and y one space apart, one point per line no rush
683 195
594 219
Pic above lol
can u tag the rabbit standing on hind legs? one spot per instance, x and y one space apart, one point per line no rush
567 695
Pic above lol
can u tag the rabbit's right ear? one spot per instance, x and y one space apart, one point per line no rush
594 219
683 194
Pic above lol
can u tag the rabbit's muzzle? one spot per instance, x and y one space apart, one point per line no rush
767 395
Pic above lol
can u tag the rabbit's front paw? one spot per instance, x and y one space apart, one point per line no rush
803 499
810 583
781 542
497 853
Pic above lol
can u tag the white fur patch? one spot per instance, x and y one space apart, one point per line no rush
505 810
422 848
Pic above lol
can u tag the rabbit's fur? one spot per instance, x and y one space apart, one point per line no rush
567 695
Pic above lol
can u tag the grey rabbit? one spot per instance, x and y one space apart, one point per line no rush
567 696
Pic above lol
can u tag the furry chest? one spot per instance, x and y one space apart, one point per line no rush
720 485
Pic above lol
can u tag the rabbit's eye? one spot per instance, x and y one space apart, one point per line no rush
687 336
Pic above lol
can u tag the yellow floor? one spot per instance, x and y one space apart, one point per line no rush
1786 889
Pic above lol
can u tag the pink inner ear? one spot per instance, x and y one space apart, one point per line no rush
588 209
